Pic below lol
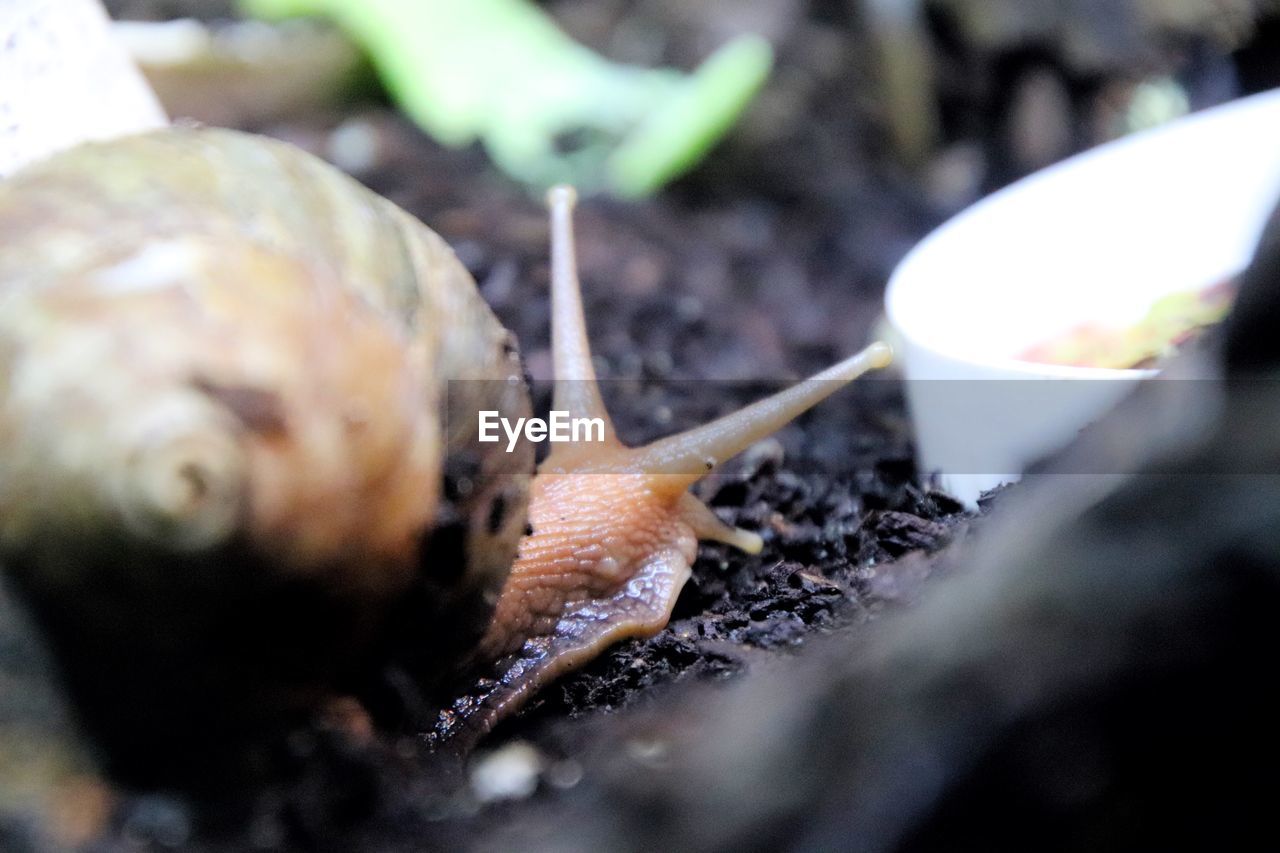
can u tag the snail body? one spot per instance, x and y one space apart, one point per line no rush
225 460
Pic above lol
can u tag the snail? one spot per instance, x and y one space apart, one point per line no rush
226 466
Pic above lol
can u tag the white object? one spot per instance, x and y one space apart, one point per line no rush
1097 238
64 80
508 773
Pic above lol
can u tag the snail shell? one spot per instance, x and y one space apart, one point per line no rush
224 375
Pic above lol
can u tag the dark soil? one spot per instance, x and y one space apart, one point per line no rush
691 300
766 264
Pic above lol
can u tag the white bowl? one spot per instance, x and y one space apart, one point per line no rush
1099 238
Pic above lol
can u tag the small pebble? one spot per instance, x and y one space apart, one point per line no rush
508 773
354 147
689 308
954 178
660 363
1154 102
651 751
564 774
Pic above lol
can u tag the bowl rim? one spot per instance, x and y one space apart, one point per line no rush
894 308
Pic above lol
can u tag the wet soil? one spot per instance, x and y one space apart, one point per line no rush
697 303
766 264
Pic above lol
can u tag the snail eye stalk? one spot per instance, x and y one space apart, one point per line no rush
615 529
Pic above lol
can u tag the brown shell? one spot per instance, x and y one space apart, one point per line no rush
224 369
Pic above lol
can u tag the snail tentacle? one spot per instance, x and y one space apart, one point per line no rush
576 391
705 524
689 455
614 528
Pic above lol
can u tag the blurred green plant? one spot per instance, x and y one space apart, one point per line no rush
547 109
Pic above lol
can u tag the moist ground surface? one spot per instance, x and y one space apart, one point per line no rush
697 304
767 263
756 270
